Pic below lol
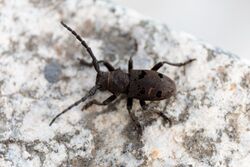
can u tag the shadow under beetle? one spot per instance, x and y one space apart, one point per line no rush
144 85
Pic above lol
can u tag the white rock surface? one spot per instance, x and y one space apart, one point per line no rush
40 76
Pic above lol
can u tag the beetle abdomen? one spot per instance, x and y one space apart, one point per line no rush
150 85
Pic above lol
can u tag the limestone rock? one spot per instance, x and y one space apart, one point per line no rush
40 76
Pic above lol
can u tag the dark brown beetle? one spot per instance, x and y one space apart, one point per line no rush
144 85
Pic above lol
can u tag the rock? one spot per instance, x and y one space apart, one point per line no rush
40 76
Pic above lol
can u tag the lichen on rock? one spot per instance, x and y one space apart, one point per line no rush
40 75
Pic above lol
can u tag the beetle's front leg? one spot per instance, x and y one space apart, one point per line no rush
84 62
105 63
105 102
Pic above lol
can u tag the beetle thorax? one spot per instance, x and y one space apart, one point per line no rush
115 81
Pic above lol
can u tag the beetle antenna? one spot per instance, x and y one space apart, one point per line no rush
91 92
84 44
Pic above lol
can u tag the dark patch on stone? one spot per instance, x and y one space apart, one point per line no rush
199 147
210 55
3 121
31 149
160 75
158 94
112 9
52 72
142 74
227 161
232 128
248 111
87 29
219 135
222 73
184 165
205 100
117 42
245 83
13 47
43 4
63 138
80 161
232 133
31 44
184 115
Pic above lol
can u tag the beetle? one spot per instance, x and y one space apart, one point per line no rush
144 85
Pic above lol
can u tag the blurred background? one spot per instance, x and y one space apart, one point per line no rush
224 23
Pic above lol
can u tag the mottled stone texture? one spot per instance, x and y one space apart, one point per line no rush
40 75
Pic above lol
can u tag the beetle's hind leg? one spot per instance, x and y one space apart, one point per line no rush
143 104
165 118
105 102
160 64
132 116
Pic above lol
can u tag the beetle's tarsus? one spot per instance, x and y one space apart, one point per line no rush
160 64
165 119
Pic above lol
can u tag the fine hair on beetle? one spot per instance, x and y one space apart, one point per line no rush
144 85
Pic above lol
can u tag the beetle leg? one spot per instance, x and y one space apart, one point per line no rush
143 104
166 119
105 102
130 64
84 62
160 64
132 116
105 63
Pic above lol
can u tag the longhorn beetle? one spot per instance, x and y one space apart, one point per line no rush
144 85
